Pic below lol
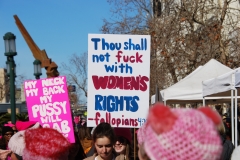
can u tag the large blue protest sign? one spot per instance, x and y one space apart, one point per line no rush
118 79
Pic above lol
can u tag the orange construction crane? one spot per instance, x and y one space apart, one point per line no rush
41 55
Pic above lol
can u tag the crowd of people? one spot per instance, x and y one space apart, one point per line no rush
168 134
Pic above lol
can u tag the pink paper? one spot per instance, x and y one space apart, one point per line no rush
48 103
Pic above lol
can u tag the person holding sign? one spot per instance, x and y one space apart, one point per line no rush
104 139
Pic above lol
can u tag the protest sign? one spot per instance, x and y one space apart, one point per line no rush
48 103
118 79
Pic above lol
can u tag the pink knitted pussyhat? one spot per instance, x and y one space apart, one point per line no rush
23 125
45 144
9 124
182 134
17 142
141 134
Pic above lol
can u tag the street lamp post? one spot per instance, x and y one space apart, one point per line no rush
37 69
10 52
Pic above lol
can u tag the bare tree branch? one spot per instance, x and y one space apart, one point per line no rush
76 72
185 35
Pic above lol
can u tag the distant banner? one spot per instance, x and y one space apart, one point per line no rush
118 79
48 103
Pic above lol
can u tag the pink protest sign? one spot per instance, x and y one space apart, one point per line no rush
48 103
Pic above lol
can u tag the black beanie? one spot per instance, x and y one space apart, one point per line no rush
6 129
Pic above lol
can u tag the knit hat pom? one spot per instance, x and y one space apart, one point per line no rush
161 118
213 115
17 143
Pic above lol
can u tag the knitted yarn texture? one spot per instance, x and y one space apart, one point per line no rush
192 136
45 144
17 141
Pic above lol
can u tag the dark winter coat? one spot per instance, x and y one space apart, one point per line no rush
228 148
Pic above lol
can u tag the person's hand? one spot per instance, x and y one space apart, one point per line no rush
4 154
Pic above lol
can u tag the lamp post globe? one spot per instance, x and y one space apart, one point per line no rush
10 52
10 46
37 69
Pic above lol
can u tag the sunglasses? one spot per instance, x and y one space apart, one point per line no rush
122 140
8 134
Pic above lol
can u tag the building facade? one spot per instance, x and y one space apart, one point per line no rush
4 97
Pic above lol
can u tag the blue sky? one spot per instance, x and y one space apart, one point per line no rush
61 27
